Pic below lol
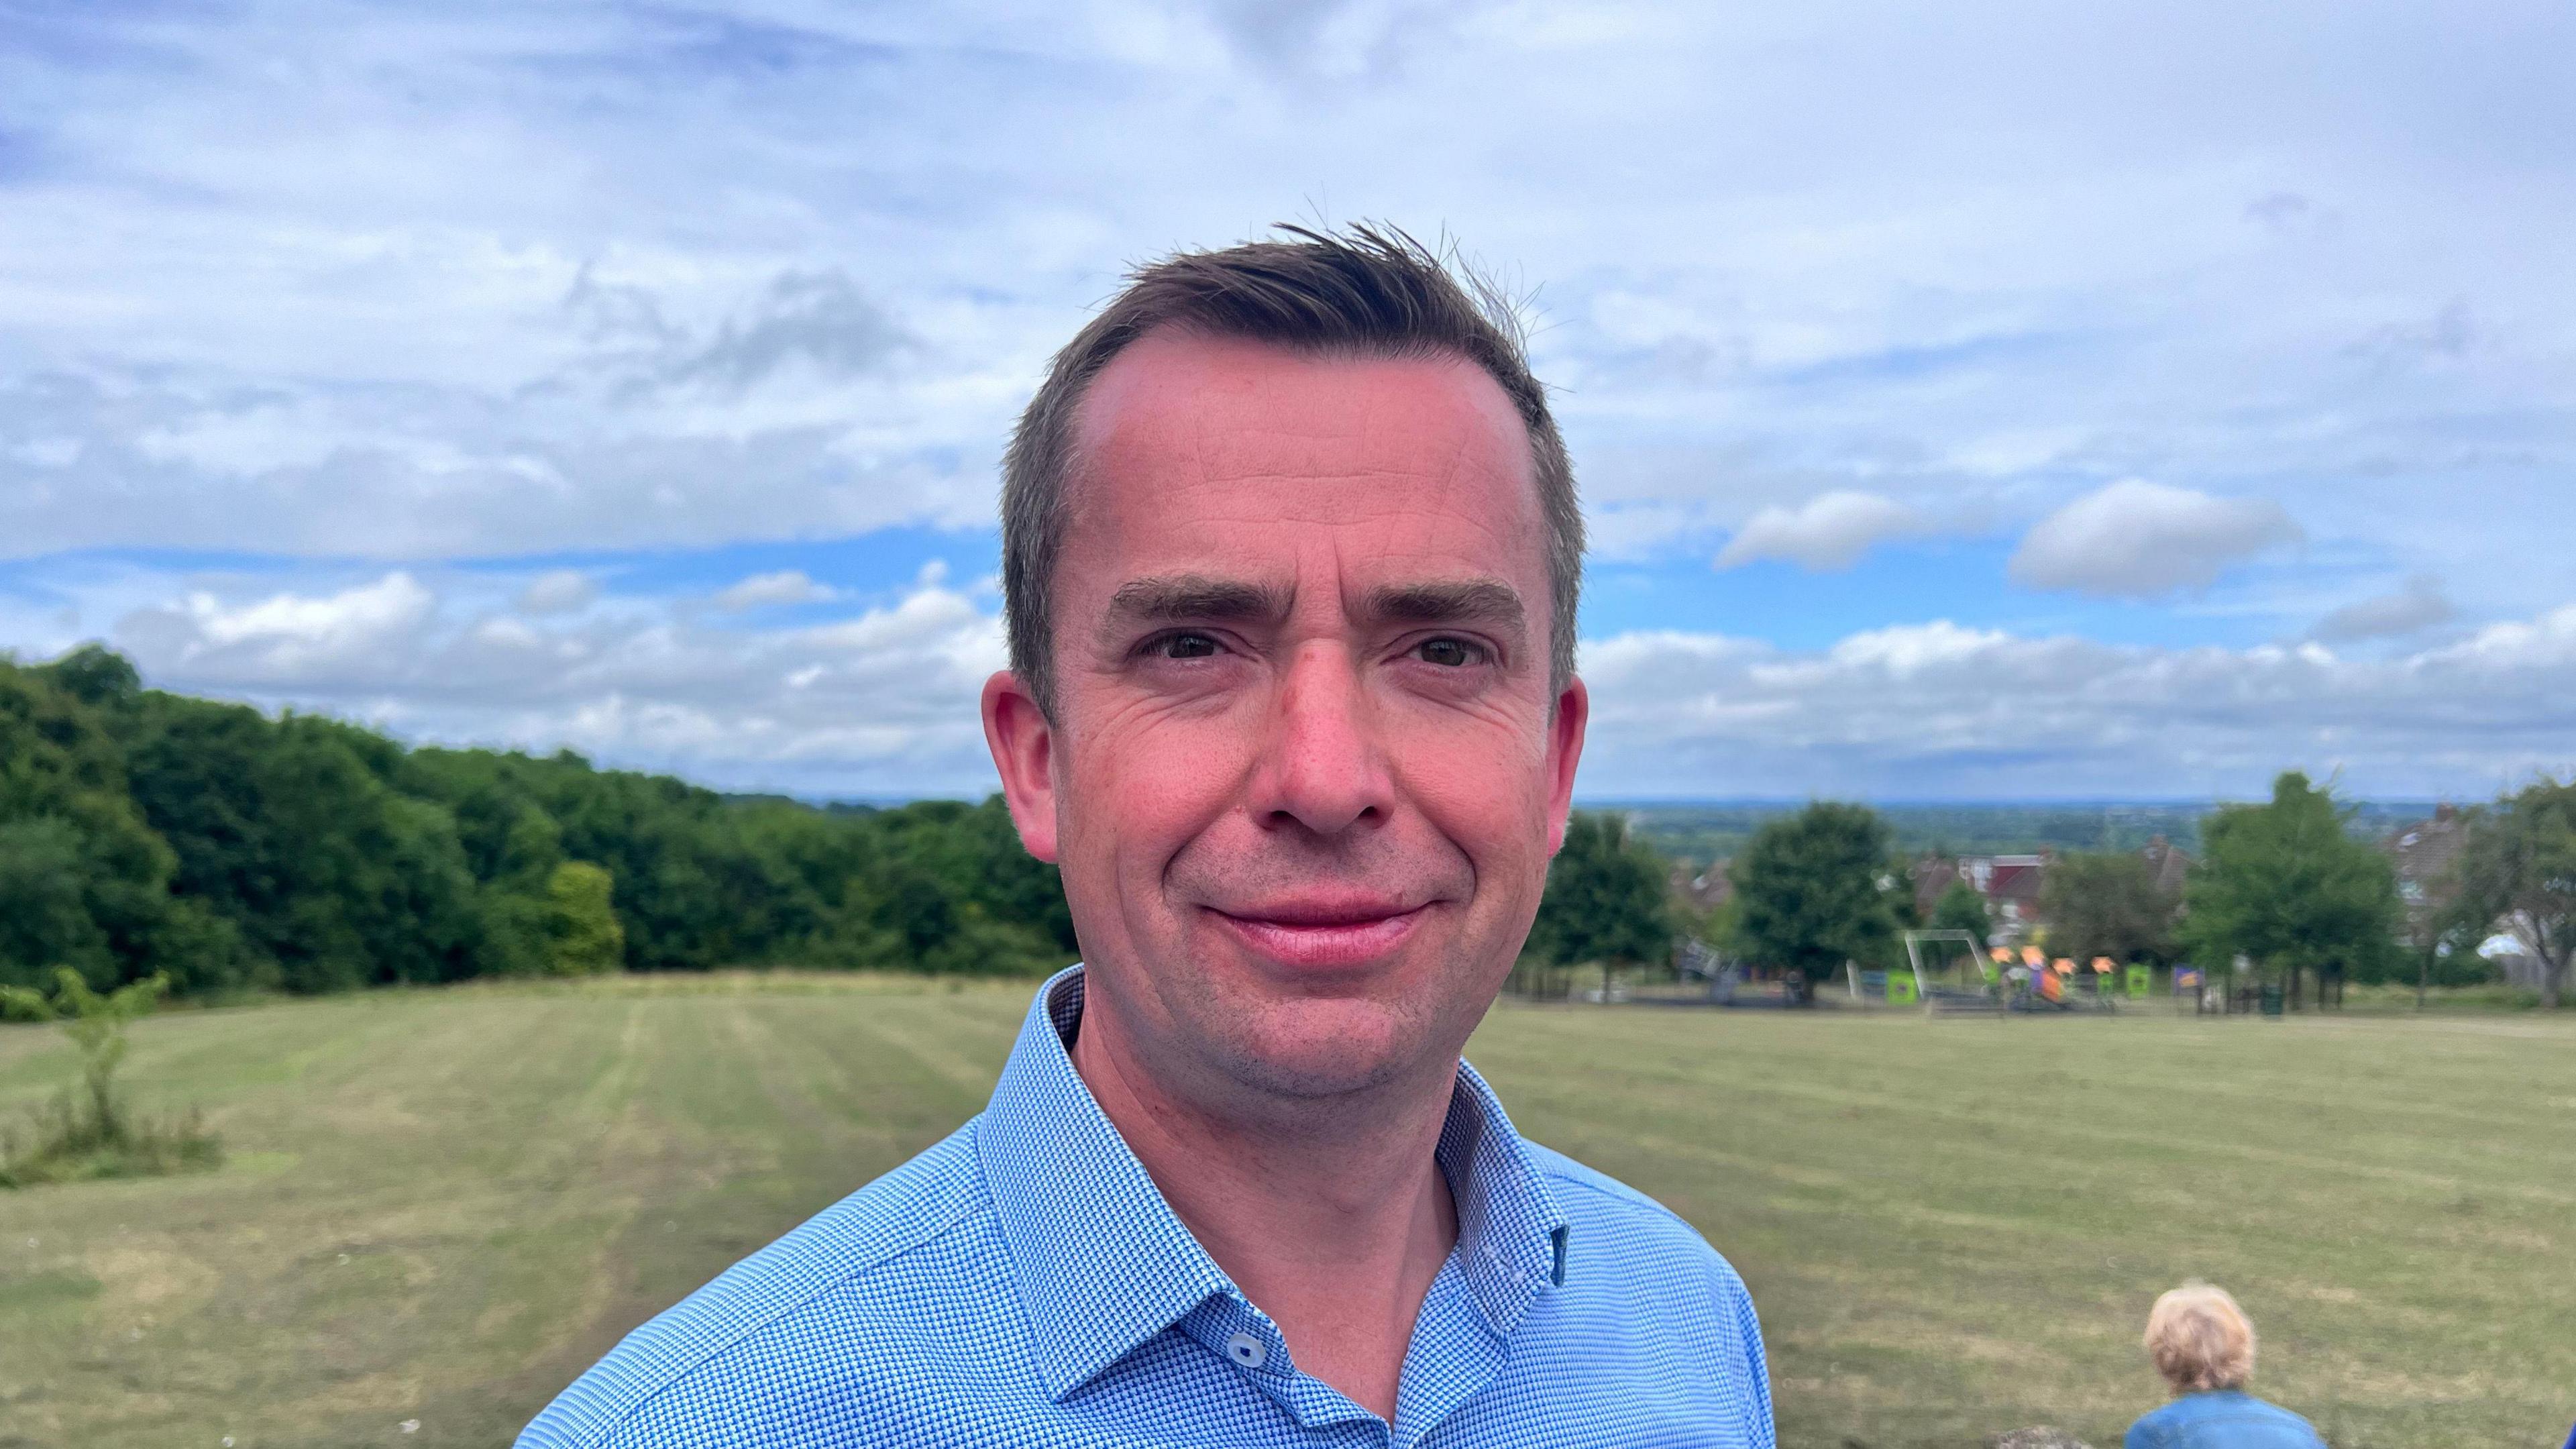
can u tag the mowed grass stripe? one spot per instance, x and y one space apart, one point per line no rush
1952 1227
2136 1116
1899 1187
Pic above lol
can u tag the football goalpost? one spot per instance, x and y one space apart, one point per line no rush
1950 972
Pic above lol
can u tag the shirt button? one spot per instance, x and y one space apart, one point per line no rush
1246 1350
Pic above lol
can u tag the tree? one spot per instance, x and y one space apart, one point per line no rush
580 921
97 1137
2107 905
292 829
84 881
1605 899
2288 886
143 832
95 1021
2518 867
1960 908
1810 892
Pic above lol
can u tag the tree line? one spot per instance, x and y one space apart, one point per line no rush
144 833
2284 885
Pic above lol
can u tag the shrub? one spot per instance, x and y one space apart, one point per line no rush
91 1132
582 923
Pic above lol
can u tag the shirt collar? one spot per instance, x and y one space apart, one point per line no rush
1104 1264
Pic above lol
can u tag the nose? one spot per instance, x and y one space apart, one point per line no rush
1322 767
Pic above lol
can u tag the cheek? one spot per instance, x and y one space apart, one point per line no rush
1491 801
1135 796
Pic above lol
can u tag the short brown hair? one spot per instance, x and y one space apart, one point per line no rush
2200 1339
1371 291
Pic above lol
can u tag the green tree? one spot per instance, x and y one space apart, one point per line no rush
580 921
292 829
84 880
97 676
142 831
95 1021
2286 885
92 1134
1604 903
1810 894
1960 908
1713 927
2518 868
2100 904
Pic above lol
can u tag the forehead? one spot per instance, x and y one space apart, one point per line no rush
1229 451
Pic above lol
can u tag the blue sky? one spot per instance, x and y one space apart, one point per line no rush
1979 401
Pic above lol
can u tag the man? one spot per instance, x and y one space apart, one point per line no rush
1291 556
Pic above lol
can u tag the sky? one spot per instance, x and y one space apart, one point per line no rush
1977 401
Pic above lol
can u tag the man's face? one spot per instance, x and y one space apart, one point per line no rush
1305 772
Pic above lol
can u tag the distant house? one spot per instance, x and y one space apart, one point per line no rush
1932 876
2010 885
2171 864
2510 954
2423 854
2013 884
2426 856
1704 890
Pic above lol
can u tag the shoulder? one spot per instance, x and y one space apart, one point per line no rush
1632 1261
2194 1418
1642 1232
2149 1431
2296 1427
865 1235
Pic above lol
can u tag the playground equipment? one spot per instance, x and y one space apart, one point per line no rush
1729 984
1945 971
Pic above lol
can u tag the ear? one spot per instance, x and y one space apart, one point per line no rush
1023 744
1564 752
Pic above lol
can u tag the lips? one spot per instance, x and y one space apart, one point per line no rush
1319 935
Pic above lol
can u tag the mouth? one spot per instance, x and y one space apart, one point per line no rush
1323 935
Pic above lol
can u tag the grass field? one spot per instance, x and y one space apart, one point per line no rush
440 1206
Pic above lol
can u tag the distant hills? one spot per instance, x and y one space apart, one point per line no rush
1703 831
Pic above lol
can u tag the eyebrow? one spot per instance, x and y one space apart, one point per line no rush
1489 602
1180 598
1201 598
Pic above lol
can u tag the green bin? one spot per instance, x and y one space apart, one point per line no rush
2271 998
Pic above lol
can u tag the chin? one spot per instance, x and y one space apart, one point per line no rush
1323 1048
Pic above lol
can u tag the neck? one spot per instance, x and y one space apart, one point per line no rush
1332 1218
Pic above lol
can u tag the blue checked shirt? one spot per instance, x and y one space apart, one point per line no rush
1024 1284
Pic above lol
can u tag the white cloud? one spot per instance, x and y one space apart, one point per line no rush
762 591
558 591
880 702
1828 532
392 604
2418 606
2135 539
341 281
1908 649
285 638
1936 710
409 304
883 698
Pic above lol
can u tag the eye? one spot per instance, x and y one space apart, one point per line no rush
1449 653
1185 646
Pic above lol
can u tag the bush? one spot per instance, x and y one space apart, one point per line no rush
91 1133
73 1139
583 926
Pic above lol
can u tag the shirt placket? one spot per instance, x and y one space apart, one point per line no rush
1245 1338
